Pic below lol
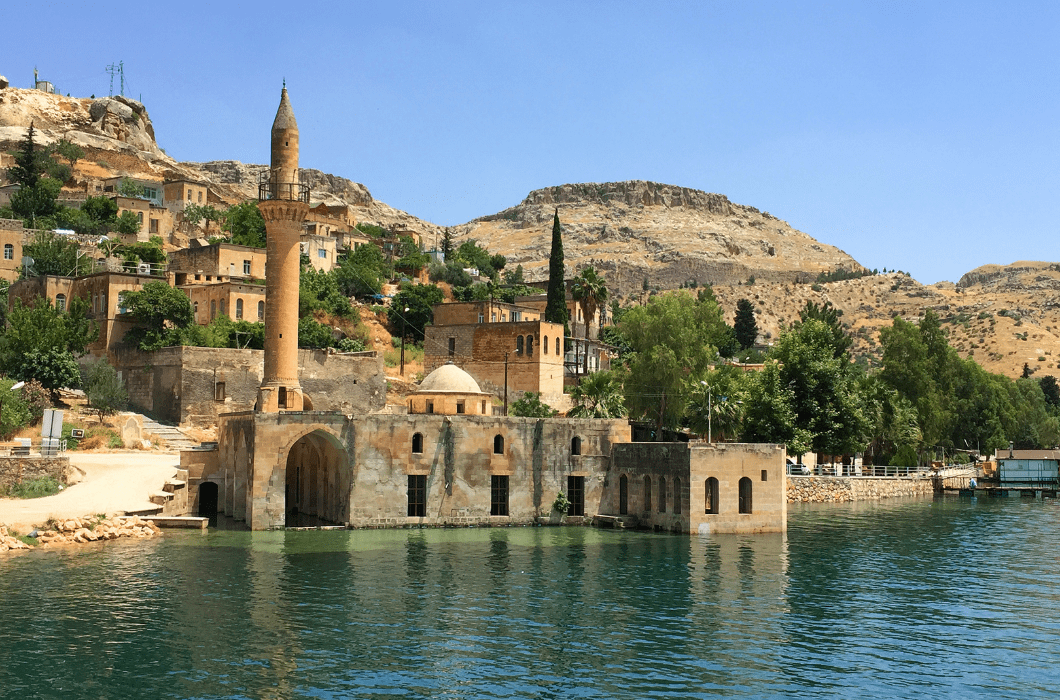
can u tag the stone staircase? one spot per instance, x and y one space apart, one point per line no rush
173 437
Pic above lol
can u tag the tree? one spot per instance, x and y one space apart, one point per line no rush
245 224
54 368
556 304
15 412
820 391
362 272
67 150
313 334
42 327
597 395
54 254
531 406
1051 390
158 308
104 389
715 408
515 277
318 290
828 314
447 244
590 291
745 326
672 340
129 188
37 194
420 300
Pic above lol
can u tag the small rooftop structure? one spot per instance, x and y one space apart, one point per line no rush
450 390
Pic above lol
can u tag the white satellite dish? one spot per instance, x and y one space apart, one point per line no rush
27 260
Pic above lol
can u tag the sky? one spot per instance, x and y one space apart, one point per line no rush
918 136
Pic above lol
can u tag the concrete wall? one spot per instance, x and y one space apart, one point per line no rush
184 384
832 489
217 262
208 301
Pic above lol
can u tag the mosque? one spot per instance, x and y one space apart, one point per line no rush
448 460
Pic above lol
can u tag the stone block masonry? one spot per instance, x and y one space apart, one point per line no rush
832 489
14 470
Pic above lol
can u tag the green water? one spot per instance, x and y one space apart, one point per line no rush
909 599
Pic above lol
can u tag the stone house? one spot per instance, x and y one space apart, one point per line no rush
11 237
238 301
494 340
322 251
220 262
177 194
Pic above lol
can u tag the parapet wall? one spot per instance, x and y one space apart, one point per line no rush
831 489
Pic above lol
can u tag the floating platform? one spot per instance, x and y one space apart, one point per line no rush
186 522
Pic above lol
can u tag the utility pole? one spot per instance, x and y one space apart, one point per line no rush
506 382
403 343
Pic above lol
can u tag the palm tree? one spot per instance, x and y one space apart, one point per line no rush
590 291
597 395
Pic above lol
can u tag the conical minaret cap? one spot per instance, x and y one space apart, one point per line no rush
285 114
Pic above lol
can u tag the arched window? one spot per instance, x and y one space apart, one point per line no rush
662 494
239 308
519 345
677 495
745 495
647 494
221 306
710 496
213 309
575 445
140 217
623 494
261 311
9 251
557 346
498 444
529 346
544 344
60 302
417 444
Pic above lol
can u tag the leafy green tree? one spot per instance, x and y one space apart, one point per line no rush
531 406
821 391
14 410
313 334
515 277
556 304
672 341
318 290
744 325
158 309
597 395
54 368
1051 391
194 214
447 244
149 252
245 224
412 258
54 254
829 315
420 300
104 389
362 272
34 204
69 151
452 273
129 188
715 407
769 413
41 328
590 291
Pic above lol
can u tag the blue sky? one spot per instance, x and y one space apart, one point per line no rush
920 136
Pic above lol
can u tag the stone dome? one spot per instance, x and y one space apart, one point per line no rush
451 379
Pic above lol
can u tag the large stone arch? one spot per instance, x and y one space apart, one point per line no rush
317 478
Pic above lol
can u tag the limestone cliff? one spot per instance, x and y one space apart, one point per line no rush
669 235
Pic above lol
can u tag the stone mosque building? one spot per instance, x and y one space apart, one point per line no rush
448 460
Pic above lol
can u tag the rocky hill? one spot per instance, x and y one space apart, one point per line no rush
670 236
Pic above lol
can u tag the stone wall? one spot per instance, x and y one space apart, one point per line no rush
13 470
194 386
832 489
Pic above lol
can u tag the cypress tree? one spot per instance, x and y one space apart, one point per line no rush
556 307
745 325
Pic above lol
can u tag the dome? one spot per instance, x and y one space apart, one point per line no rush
450 378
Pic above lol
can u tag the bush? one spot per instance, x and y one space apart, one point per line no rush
33 488
531 406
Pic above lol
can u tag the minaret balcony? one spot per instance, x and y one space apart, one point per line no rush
269 189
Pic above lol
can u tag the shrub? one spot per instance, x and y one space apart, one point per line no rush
34 488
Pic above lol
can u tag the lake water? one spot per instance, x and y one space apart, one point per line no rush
903 599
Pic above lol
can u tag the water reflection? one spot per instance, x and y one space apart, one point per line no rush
889 600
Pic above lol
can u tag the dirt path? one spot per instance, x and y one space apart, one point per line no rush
113 481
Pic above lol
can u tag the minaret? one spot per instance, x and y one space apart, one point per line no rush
284 202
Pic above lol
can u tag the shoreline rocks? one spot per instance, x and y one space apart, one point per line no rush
83 530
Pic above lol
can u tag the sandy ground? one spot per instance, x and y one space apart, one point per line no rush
113 481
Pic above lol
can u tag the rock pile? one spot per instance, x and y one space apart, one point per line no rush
84 530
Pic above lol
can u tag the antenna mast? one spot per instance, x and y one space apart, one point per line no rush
118 70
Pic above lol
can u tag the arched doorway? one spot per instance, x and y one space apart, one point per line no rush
317 482
207 499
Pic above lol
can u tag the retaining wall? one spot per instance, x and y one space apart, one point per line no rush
16 469
832 489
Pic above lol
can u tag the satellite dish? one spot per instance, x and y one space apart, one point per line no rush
27 260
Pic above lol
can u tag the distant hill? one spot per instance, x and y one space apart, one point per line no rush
669 235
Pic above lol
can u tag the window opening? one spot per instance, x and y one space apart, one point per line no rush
745 495
647 494
623 495
417 444
576 495
417 494
662 494
677 495
710 497
575 445
499 495
498 444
